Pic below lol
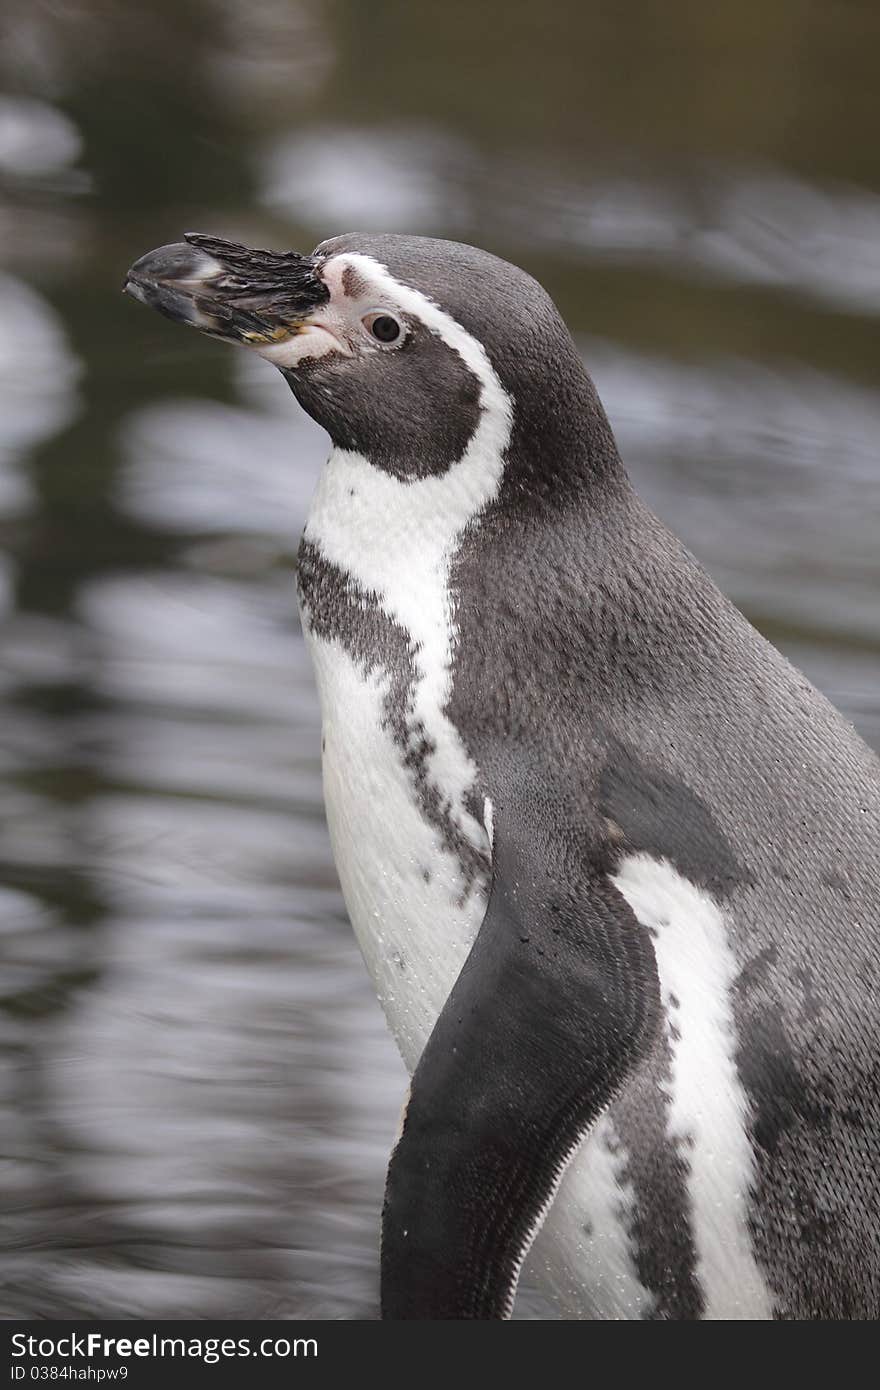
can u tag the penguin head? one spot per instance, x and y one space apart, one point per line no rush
401 347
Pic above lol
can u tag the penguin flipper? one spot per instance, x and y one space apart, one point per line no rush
556 1002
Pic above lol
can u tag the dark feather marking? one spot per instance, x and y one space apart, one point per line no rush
353 283
662 817
664 1253
411 411
778 1091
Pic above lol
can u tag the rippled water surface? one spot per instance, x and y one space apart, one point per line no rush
198 1093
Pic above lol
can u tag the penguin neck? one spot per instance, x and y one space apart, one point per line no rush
395 539
562 451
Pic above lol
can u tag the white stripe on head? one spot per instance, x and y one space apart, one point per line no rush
708 1108
397 538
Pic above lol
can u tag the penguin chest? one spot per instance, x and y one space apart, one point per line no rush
400 786
414 882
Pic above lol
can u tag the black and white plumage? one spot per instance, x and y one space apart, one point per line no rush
613 863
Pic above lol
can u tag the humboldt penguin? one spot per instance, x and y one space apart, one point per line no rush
612 862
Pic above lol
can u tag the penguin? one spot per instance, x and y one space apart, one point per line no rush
611 860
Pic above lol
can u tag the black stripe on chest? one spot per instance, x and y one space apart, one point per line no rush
657 1168
336 608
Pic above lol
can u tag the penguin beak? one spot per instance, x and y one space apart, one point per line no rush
260 298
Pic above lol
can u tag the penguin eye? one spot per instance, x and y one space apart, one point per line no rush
383 327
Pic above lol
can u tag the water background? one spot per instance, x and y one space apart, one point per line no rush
198 1093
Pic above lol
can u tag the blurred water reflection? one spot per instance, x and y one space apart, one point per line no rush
752 226
198 1093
